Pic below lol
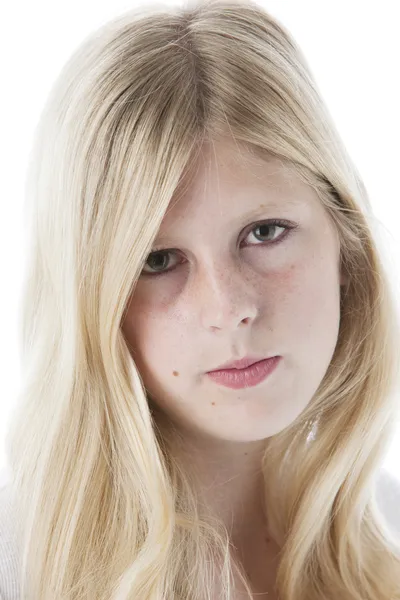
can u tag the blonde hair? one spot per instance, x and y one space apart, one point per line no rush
104 511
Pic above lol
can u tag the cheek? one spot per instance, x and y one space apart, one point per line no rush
153 336
156 344
285 280
279 290
305 316
146 326
307 307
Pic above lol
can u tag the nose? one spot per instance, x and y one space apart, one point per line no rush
225 299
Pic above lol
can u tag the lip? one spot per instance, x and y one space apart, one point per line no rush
240 364
247 377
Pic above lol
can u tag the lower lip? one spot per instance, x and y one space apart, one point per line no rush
248 377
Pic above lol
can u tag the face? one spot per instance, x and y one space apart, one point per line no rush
228 284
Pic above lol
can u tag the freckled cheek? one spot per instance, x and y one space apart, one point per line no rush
275 286
153 335
309 297
292 297
285 278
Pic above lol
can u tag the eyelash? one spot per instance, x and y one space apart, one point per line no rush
289 227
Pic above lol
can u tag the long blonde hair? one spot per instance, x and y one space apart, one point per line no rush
104 512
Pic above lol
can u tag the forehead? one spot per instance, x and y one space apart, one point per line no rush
231 180
231 164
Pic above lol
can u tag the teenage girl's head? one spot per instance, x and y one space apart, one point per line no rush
190 130
223 282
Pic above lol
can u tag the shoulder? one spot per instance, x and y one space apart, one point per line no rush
388 498
8 554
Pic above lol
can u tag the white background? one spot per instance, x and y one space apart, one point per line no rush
353 49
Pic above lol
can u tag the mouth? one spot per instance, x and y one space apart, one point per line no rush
246 377
241 364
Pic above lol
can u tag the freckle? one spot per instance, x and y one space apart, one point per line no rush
175 373
213 403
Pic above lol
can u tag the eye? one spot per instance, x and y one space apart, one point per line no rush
273 224
157 260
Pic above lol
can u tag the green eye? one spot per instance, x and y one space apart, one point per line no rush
158 259
158 262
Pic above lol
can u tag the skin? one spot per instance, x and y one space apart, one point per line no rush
229 293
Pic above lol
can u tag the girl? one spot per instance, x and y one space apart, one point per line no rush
210 342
